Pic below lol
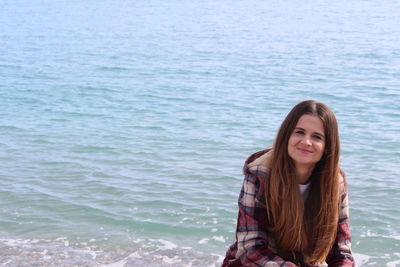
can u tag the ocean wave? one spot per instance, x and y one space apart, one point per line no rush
64 252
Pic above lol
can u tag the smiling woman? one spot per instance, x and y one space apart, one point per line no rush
293 207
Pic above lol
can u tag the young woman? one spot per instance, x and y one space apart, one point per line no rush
293 207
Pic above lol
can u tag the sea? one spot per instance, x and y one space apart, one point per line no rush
124 124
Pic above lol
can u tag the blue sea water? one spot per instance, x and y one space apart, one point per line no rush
124 125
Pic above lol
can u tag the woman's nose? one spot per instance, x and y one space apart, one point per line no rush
306 140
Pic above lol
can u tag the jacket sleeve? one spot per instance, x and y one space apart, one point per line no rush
340 254
251 232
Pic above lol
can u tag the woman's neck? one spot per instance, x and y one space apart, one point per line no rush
303 173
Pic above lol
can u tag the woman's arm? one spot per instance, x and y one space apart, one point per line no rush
340 254
251 232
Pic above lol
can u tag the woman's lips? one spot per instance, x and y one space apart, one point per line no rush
304 151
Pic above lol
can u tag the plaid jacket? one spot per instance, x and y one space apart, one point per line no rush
255 246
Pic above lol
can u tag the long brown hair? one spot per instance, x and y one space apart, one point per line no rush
308 228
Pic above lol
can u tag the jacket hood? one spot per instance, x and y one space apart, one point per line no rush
260 160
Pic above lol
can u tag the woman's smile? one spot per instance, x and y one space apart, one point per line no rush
304 151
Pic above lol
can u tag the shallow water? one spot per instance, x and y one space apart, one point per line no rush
124 125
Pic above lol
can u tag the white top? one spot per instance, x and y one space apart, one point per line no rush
304 190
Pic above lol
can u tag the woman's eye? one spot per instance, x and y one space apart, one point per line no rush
299 132
318 137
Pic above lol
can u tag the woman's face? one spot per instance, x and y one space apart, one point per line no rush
307 141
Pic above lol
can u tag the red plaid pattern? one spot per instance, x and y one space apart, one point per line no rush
255 246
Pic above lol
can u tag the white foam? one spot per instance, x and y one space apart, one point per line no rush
167 244
169 260
220 257
46 250
120 263
393 263
183 220
360 258
7 262
203 241
397 237
369 233
25 243
47 258
135 255
137 240
219 238
92 253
